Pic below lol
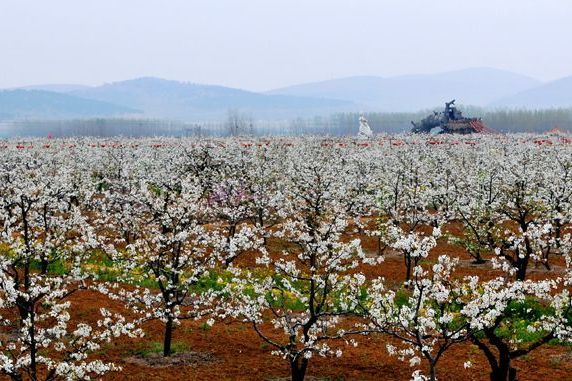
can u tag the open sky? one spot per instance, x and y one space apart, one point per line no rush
264 44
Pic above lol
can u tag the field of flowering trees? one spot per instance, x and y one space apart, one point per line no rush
399 258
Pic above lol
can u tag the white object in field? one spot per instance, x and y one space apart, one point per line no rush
365 131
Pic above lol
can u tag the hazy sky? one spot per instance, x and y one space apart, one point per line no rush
263 44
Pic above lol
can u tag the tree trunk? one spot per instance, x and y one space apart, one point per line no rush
44 266
298 369
432 372
504 374
407 268
504 371
168 337
479 260
521 266
33 347
260 219
522 263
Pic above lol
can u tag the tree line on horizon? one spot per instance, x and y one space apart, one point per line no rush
504 120
241 123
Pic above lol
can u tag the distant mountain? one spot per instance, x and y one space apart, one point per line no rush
165 99
478 86
56 88
553 94
161 98
36 104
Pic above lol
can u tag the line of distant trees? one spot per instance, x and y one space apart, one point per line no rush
108 127
239 123
534 121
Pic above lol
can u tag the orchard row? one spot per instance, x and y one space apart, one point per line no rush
266 232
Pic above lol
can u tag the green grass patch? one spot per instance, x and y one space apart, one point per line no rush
157 347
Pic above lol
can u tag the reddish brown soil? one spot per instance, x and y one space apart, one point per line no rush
238 354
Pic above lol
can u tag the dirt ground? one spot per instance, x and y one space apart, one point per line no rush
234 352
231 350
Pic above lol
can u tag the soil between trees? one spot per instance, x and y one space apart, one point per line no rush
230 350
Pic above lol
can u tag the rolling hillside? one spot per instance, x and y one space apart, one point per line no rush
161 98
478 87
37 104
553 94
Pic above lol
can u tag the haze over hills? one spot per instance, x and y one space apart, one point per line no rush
553 94
477 87
160 98
156 98
35 104
56 88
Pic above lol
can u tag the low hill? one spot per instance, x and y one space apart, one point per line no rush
555 94
38 104
478 86
159 98
56 87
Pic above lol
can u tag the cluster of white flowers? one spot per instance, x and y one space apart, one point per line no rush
46 240
270 233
